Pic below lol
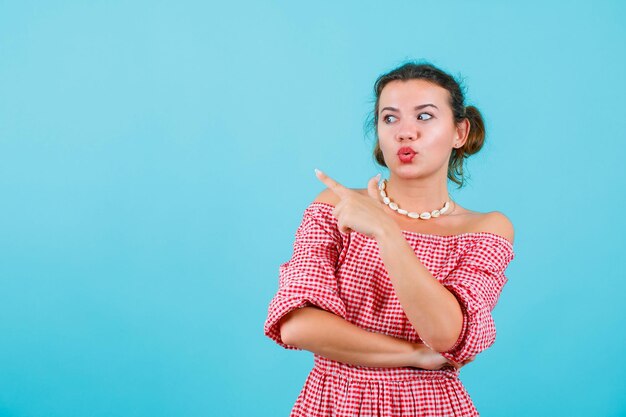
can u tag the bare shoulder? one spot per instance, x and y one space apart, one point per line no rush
327 196
498 223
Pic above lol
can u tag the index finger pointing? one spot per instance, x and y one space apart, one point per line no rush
337 188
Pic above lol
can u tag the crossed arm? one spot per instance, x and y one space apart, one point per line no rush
330 336
432 310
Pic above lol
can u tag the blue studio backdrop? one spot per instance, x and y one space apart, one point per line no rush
156 158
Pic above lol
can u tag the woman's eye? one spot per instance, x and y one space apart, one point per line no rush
386 118
427 114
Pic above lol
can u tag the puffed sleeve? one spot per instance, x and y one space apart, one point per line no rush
477 282
308 278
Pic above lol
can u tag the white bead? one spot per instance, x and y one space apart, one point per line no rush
425 215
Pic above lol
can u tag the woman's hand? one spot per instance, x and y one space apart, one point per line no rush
426 358
357 212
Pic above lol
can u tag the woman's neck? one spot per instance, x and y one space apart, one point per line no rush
417 195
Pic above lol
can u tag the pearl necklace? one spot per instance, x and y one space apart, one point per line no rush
425 215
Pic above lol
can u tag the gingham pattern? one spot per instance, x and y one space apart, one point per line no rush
344 274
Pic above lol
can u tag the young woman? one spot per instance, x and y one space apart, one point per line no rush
392 286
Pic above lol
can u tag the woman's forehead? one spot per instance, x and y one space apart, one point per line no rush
411 92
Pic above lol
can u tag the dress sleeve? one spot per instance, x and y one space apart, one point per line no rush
308 278
477 282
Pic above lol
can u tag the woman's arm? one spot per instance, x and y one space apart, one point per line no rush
328 335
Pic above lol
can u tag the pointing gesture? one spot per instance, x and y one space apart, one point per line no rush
357 212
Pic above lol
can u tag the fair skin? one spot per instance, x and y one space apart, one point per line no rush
420 185
331 336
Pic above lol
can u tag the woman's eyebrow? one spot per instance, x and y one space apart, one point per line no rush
421 106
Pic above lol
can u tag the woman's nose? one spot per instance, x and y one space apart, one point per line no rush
406 132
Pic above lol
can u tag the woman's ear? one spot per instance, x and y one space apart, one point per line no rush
462 131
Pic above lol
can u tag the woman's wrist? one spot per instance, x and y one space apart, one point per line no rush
416 355
387 227
406 353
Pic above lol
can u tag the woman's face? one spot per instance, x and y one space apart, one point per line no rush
415 114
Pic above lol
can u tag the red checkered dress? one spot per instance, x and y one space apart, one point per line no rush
344 274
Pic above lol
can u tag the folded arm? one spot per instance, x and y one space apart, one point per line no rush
328 335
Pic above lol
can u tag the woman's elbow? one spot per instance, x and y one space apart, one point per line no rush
289 328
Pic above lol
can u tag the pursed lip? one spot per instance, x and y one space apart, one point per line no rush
406 149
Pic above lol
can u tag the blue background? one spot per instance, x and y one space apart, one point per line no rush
156 158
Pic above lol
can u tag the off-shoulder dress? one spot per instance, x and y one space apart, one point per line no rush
344 274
